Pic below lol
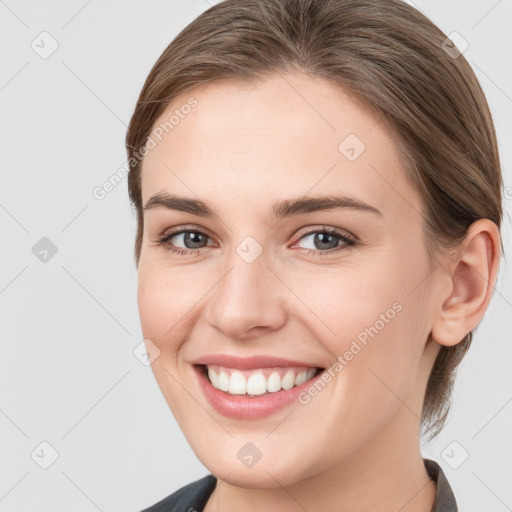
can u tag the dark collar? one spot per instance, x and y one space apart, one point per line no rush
445 500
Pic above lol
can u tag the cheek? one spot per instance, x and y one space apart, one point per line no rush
164 301
351 299
373 315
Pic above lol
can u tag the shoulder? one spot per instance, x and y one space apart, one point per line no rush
192 496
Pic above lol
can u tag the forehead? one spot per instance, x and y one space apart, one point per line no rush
289 135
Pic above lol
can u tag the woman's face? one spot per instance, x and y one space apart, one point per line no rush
257 278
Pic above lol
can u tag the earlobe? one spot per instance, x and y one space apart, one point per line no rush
473 273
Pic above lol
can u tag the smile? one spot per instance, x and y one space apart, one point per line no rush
252 387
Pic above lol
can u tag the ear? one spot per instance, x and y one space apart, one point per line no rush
472 271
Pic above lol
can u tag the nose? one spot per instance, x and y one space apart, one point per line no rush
247 301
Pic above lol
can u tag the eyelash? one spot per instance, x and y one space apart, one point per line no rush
326 230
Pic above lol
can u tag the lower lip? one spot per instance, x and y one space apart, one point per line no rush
246 408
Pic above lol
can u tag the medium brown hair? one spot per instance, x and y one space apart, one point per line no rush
385 54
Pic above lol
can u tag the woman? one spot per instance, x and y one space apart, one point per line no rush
318 192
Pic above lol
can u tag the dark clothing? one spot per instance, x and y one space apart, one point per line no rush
445 500
193 497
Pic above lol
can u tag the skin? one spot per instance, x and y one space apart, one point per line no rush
354 446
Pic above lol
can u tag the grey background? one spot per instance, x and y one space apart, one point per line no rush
68 326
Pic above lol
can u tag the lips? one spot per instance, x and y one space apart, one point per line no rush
252 387
249 363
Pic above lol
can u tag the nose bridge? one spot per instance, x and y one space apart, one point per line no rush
246 297
247 266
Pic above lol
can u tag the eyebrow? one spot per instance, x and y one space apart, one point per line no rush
280 209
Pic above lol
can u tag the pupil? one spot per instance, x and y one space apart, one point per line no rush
324 238
193 238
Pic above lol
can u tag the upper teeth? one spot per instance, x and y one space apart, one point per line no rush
257 382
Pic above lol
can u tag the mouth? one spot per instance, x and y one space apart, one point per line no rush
251 388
